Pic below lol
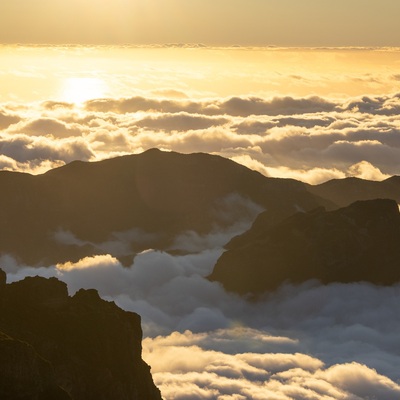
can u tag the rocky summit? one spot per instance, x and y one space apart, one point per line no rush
355 243
53 346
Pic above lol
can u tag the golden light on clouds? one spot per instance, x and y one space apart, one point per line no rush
309 114
79 90
77 73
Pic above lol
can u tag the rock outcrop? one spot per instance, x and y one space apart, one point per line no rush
356 243
53 346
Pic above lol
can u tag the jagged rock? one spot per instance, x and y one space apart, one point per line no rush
81 345
356 243
159 193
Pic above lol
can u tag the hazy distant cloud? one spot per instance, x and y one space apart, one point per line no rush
277 106
135 104
179 122
235 106
54 105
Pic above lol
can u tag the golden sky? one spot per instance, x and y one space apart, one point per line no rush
212 22
309 114
304 89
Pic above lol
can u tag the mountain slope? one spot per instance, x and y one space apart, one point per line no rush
154 195
356 243
346 191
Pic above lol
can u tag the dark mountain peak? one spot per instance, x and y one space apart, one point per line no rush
343 192
37 290
156 192
89 295
79 347
355 243
395 179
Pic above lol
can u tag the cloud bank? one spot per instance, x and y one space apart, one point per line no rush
313 139
307 341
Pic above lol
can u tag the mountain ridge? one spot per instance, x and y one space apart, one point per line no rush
161 193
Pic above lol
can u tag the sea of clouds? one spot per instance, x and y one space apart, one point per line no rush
313 138
308 341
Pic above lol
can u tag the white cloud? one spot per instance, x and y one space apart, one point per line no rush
182 361
306 341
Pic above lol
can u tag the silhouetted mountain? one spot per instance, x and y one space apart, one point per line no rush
346 191
153 195
356 243
53 346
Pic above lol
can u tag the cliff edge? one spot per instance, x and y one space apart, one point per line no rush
80 347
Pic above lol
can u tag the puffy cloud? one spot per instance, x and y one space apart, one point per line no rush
239 106
235 106
366 170
49 126
139 103
183 361
24 148
311 138
179 122
7 119
381 105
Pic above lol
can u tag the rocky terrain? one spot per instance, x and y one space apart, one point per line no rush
53 346
355 243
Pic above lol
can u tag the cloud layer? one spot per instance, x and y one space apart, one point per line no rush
313 139
309 341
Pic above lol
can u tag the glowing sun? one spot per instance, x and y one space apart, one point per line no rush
78 90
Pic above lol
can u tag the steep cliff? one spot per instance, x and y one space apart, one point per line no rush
57 346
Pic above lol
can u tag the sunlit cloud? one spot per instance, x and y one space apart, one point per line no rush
315 140
80 89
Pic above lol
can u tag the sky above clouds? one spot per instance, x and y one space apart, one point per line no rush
211 22
308 114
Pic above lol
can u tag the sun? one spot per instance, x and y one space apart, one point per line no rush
79 90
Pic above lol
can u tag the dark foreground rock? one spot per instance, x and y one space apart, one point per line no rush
360 242
53 346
